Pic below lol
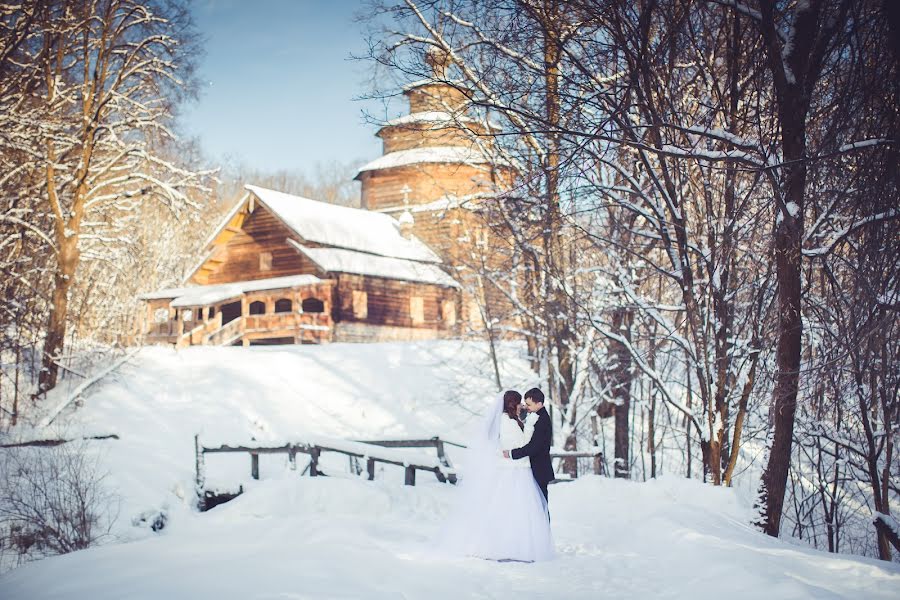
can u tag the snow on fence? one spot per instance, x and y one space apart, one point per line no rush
381 451
372 451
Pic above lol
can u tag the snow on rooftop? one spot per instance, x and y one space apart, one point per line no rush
335 260
431 116
166 293
203 295
343 227
438 120
426 82
444 203
430 154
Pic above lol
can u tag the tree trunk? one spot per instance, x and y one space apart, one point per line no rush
54 342
620 376
788 240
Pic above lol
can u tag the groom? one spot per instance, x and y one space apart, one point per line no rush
539 446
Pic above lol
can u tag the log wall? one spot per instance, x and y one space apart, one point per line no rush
239 259
389 304
382 189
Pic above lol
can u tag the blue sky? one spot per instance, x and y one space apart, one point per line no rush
279 86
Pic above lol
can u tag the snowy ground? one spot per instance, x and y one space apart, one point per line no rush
338 538
344 537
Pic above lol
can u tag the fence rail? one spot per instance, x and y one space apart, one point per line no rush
354 450
368 450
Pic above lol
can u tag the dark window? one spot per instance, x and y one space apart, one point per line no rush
230 312
283 305
212 312
313 305
257 308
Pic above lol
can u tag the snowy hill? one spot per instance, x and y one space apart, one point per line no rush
344 537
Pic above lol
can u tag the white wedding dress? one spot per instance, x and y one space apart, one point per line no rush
501 513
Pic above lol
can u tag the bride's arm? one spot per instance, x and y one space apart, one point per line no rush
510 435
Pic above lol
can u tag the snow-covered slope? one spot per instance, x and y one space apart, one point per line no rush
157 402
343 537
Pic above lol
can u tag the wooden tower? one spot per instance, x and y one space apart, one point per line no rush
437 168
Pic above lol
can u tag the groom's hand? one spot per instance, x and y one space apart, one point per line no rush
506 454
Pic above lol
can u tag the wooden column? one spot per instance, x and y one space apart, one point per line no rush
245 312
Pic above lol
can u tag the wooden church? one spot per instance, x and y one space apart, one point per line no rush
281 269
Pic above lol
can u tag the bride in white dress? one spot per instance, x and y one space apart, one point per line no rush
501 513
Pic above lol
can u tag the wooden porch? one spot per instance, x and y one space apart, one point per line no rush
287 315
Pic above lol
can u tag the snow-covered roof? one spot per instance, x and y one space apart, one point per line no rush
430 116
457 83
429 154
437 119
204 295
343 227
334 260
468 201
166 293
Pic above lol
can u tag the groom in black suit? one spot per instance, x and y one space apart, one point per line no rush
538 448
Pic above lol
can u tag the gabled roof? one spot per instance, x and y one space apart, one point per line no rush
343 227
335 260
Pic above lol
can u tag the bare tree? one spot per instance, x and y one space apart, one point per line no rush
97 84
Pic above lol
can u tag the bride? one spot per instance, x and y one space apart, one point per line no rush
501 513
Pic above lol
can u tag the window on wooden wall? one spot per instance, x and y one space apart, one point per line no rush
283 305
161 315
475 313
448 312
312 305
257 308
417 309
211 312
187 315
265 261
360 305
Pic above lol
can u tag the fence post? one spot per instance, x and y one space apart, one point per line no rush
410 476
254 465
439 446
314 462
292 457
198 467
598 464
370 467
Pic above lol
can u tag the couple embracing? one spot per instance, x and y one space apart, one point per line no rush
502 512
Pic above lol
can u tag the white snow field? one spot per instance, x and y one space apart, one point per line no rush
291 537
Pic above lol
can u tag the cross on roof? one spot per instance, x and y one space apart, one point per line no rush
405 190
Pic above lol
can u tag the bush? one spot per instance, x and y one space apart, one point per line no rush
52 501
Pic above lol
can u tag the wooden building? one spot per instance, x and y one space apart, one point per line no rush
437 170
286 269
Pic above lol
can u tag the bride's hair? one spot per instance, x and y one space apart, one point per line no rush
511 401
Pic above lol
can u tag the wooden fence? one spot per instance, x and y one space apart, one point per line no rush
354 450
363 449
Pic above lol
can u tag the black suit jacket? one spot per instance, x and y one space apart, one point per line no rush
538 449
